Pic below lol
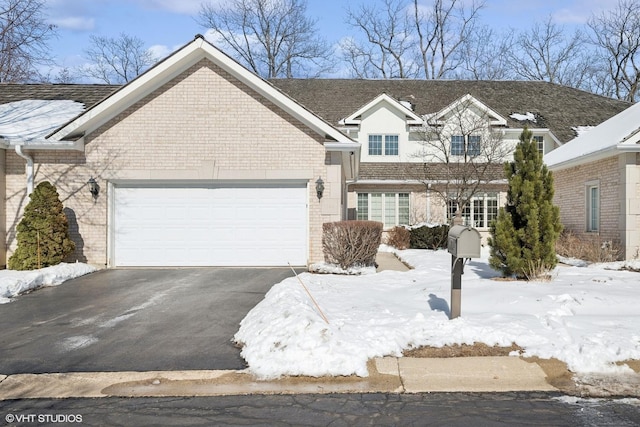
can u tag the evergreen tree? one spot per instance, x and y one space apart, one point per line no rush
524 234
43 232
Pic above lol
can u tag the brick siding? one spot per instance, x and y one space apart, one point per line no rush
203 125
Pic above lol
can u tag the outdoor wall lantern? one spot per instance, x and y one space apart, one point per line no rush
94 188
319 187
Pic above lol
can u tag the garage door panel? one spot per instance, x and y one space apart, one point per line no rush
210 226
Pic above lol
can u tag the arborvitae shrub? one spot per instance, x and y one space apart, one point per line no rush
429 237
43 233
399 237
524 235
351 243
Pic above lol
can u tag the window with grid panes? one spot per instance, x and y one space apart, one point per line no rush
457 145
389 208
375 145
391 145
539 141
473 148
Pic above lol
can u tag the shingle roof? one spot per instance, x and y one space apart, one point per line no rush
83 93
421 171
556 107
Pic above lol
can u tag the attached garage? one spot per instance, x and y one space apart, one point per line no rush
261 224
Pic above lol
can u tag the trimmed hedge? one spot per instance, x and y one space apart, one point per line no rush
429 237
351 243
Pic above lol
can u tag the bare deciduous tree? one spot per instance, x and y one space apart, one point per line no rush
404 39
24 34
388 48
117 60
442 30
485 56
461 154
545 53
273 38
616 34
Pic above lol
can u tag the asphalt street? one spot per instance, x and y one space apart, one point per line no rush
440 409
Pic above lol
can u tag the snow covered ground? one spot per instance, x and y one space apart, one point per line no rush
13 283
586 316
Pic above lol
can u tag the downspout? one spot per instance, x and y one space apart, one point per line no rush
429 202
29 160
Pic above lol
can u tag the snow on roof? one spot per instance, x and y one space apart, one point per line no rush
581 130
614 133
524 117
35 118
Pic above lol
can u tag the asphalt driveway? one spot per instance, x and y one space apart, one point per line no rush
133 319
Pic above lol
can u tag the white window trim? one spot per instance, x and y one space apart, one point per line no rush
396 195
466 144
589 186
539 143
384 144
484 197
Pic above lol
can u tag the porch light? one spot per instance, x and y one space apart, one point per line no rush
319 187
94 188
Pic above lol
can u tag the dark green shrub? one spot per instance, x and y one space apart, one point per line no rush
523 237
43 232
429 237
351 243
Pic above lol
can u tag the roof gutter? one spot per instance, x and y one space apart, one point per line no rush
581 159
29 160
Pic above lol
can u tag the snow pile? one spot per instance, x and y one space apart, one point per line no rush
524 117
34 118
587 317
13 283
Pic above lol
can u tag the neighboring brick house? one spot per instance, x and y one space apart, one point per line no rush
597 182
201 162
398 184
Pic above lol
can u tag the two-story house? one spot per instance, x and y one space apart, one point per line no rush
198 161
425 143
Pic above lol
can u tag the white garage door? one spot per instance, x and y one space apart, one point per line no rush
241 225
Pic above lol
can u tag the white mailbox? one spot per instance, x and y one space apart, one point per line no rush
464 242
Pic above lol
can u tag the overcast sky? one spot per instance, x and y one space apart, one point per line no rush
168 24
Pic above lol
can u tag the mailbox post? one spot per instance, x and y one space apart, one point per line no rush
463 242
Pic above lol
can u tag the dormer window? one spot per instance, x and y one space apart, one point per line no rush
383 145
473 145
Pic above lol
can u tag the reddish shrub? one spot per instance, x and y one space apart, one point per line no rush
399 237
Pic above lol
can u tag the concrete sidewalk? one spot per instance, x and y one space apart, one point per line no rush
388 261
386 375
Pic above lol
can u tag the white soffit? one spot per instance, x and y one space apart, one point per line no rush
412 118
463 103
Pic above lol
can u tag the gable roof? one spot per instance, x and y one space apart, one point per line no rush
554 107
169 68
411 117
620 133
462 104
